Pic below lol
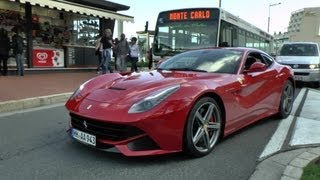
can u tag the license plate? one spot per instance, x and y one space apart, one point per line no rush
298 78
83 137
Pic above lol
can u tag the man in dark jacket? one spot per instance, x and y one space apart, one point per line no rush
4 50
17 46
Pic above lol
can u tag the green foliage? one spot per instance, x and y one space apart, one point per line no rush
311 172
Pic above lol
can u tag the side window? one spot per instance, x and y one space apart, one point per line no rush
252 58
268 60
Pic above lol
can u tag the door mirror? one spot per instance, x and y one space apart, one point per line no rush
256 67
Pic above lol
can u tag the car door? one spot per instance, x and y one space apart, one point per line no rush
256 90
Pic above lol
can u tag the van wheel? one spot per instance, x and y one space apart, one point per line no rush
316 84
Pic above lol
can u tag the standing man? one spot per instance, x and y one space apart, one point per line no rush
122 53
134 54
17 46
4 50
107 44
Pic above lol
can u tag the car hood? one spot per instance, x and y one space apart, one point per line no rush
117 89
298 59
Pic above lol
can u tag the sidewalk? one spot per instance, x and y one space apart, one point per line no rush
295 143
34 90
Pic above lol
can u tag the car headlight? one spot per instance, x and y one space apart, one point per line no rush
314 66
153 99
77 92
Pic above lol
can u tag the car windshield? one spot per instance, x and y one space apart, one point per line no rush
209 60
299 50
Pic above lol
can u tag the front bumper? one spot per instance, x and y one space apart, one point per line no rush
158 131
307 75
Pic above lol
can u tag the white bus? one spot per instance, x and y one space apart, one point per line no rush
184 29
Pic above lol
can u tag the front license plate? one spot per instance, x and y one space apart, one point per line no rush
83 137
298 78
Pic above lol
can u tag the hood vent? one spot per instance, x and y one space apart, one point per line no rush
117 88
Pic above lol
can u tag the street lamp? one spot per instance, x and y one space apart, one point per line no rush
270 5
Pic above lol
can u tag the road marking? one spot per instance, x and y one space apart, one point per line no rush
276 142
278 138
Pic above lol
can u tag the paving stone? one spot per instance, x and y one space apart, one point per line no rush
315 150
286 157
293 172
268 170
287 178
308 156
298 162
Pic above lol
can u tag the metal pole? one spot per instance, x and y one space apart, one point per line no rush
269 18
275 4
219 3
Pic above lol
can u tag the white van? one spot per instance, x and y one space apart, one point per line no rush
304 58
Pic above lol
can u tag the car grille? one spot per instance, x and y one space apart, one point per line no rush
299 66
104 130
301 73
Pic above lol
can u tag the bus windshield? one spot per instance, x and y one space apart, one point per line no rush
180 32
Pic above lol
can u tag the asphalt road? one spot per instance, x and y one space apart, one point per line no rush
35 145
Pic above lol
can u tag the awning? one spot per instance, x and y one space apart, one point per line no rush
79 8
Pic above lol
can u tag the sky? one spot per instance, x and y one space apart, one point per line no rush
255 12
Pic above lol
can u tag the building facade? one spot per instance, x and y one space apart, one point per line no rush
60 33
304 25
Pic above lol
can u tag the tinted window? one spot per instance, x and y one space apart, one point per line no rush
210 60
299 50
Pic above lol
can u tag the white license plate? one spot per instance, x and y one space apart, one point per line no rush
298 78
83 137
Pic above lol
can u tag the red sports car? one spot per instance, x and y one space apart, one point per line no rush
187 104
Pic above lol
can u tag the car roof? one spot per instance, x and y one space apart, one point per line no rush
300 43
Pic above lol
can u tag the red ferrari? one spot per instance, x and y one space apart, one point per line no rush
187 104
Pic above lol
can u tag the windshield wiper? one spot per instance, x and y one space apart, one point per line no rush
186 69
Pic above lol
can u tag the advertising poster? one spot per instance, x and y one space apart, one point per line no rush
48 58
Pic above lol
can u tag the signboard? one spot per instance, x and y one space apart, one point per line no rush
194 14
48 58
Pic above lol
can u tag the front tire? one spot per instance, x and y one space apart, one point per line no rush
286 102
203 128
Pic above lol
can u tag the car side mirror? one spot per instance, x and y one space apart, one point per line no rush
256 67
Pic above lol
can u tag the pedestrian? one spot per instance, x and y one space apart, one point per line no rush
134 54
17 46
98 53
106 41
4 50
122 53
114 52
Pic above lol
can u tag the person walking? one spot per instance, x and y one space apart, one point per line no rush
98 52
17 46
114 52
134 54
4 51
106 41
122 53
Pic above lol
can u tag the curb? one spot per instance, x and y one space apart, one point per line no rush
294 169
14 105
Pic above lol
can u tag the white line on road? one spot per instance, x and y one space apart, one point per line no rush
276 142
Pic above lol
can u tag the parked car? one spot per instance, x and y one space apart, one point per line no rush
190 102
304 58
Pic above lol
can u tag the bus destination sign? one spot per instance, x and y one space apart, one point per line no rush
189 15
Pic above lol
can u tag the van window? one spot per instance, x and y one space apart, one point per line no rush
299 50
